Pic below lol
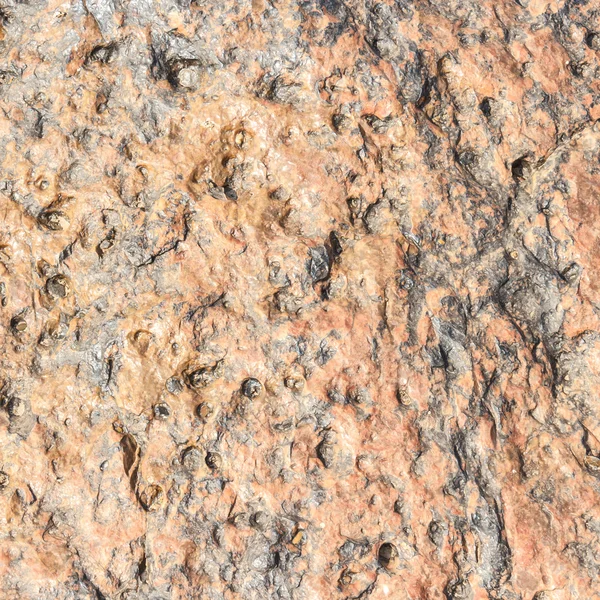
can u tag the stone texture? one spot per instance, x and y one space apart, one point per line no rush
299 300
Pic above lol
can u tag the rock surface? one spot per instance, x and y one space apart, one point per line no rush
299 299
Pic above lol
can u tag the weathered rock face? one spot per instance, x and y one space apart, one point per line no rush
299 300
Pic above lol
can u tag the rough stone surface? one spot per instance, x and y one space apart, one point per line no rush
299 299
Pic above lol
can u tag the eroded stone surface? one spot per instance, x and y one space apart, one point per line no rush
299 300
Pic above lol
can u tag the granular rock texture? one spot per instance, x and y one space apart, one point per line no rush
299 299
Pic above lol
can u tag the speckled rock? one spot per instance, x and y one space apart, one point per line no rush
299 300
